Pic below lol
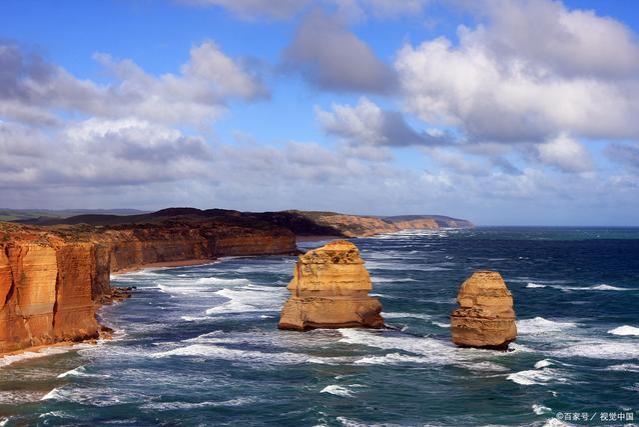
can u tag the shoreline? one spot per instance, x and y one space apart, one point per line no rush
40 350
133 269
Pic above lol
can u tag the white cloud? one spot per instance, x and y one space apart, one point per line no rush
534 71
573 43
367 124
565 153
196 96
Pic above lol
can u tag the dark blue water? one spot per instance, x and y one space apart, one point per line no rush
199 345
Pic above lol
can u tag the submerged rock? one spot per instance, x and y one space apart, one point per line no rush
485 317
330 290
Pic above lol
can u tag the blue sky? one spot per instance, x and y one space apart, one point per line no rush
502 112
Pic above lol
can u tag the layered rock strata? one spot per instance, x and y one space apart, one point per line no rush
52 279
47 292
485 317
330 289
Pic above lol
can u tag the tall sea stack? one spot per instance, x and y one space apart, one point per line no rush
485 317
330 290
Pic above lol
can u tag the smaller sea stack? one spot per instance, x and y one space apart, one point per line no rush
330 290
485 317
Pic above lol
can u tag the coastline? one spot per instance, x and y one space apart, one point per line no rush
132 269
40 350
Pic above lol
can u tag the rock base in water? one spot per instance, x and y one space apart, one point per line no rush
485 317
330 290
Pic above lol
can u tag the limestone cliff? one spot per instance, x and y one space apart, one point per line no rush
53 278
329 289
47 291
485 317
366 226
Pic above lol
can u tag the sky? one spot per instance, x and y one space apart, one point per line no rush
504 112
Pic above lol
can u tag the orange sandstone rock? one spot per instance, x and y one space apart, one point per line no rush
330 290
46 290
485 317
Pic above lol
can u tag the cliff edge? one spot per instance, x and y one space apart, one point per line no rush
53 278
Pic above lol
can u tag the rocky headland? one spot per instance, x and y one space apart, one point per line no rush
52 279
344 225
485 317
55 272
330 289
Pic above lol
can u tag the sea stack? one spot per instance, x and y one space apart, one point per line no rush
485 317
330 290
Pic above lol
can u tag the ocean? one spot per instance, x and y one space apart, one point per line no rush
199 345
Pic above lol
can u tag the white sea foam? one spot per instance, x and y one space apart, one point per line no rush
219 352
602 287
605 287
175 289
624 367
535 285
437 351
442 325
47 351
634 387
404 315
194 318
539 325
390 359
249 298
625 330
96 396
543 364
220 281
57 414
424 350
80 371
52 395
536 376
337 390
595 348
169 406
540 409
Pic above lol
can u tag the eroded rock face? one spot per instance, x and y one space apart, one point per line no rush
330 290
46 293
485 317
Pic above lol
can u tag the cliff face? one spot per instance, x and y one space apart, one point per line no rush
135 248
330 290
366 226
485 317
47 291
53 278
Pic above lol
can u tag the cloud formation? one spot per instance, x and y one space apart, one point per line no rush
332 58
535 70
367 124
33 91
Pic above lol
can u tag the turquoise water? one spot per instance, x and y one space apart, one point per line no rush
199 345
